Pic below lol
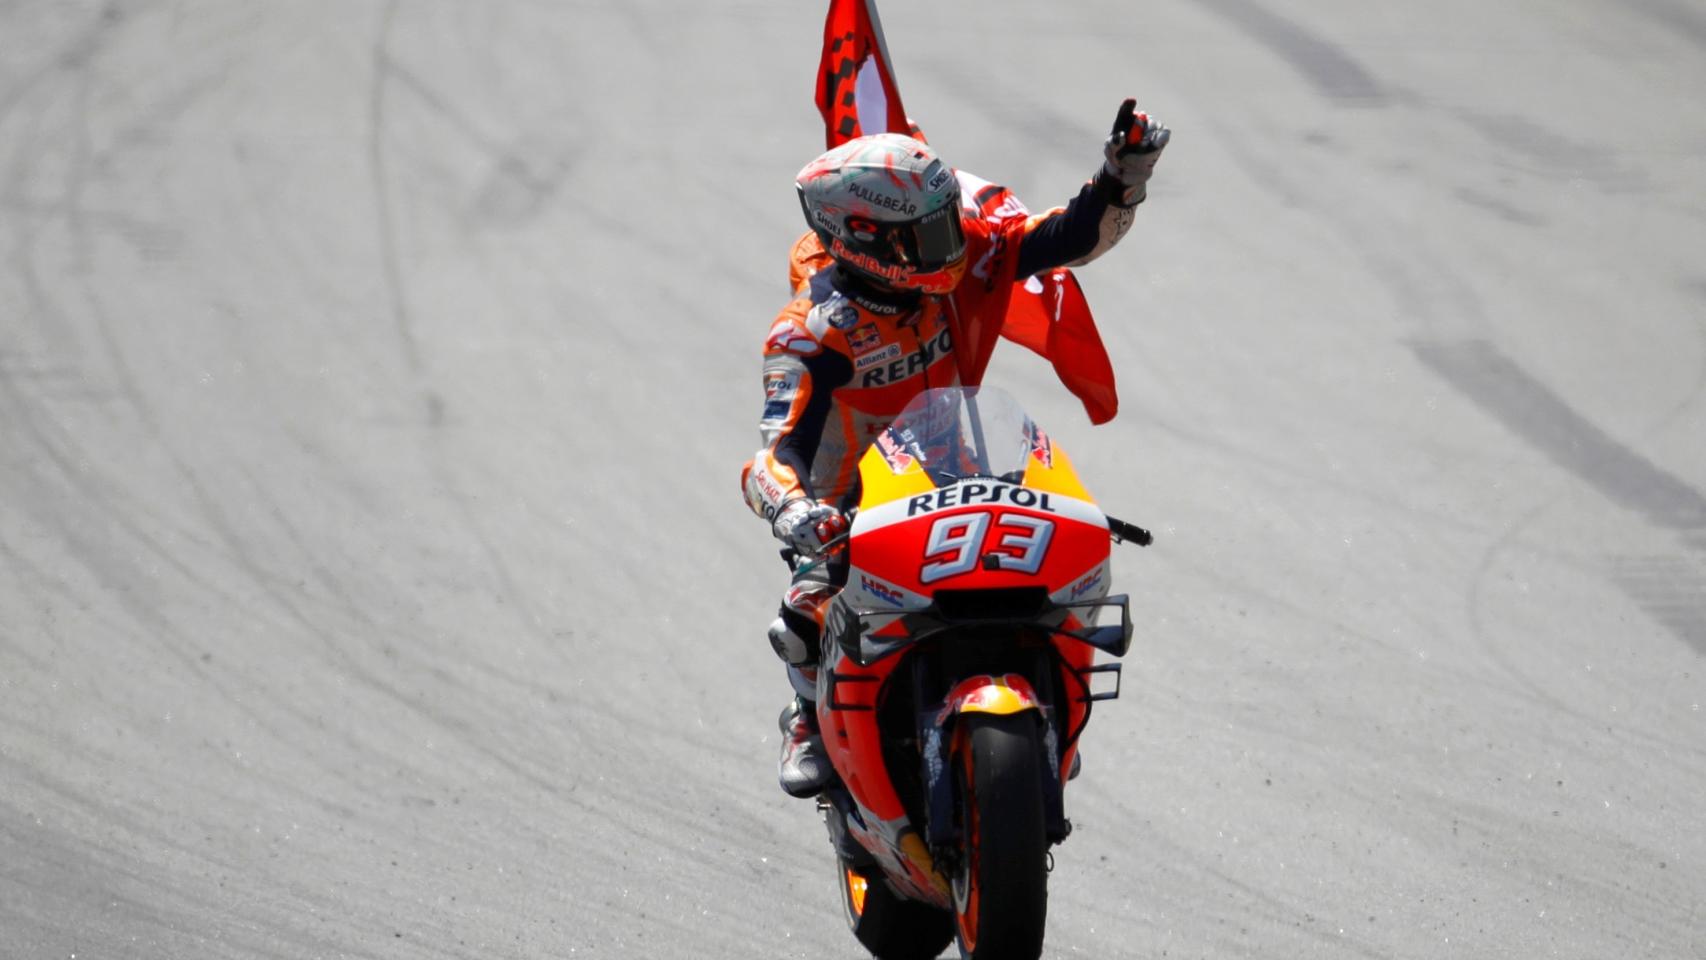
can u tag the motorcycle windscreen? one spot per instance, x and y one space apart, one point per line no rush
957 432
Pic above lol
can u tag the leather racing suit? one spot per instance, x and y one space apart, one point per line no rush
842 360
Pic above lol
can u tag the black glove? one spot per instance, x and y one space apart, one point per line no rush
1131 151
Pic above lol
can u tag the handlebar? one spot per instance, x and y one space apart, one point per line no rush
1122 531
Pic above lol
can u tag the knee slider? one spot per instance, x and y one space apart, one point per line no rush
795 638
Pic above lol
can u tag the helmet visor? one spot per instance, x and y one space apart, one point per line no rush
933 241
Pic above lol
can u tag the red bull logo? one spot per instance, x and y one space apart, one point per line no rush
899 460
864 337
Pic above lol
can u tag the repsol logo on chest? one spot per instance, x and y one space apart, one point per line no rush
912 364
977 495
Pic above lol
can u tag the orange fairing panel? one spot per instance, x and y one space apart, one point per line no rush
853 739
888 473
1051 469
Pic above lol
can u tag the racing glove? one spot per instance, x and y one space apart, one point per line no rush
1131 151
808 526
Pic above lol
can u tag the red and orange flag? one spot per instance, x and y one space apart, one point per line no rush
855 83
857 95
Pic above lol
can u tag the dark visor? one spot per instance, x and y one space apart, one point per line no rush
932 242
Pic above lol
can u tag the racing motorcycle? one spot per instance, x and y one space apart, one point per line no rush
956 676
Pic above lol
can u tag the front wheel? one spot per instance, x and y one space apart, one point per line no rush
1001 886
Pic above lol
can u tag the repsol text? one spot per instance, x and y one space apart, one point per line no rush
915 363
979 494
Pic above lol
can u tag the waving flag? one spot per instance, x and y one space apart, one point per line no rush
855 84
1048 315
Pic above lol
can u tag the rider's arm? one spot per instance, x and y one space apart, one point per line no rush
1100 215
800 377
1071 236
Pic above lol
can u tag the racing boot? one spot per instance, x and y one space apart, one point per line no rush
804 769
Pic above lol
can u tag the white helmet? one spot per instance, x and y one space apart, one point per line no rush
888 209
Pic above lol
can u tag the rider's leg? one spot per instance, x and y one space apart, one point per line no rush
804 768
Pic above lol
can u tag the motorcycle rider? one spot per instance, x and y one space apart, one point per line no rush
907 278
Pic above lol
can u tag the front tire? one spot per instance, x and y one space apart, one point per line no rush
888 926
1001 886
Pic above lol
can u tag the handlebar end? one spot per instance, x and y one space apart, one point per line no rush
1122 532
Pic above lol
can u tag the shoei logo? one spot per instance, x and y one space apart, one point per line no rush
940 178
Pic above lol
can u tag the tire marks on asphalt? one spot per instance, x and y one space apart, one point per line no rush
1532 411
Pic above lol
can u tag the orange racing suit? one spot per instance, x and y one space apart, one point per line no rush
840 365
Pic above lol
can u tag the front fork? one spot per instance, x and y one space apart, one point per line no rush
942 740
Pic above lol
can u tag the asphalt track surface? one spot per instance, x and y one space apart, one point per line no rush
374 379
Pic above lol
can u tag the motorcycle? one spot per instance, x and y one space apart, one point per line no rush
956 676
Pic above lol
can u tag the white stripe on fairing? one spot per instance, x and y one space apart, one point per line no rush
893 512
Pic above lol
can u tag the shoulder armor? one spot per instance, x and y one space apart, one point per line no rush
789 335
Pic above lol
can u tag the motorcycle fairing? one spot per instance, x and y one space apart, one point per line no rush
889 470
1053 470
892 846
867 638
971 522
976 532
1003 695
